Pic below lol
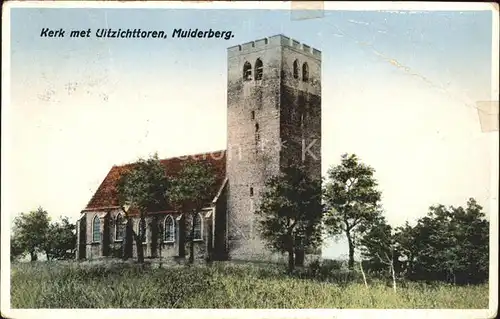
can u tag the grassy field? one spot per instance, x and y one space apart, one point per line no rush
73 285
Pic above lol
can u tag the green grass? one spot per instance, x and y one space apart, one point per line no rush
73 285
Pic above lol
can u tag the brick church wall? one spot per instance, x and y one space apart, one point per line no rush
109 246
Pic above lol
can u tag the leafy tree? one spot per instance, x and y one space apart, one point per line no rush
61 240
431 243
352 200
143 188
290 212
158 239
379 245
378 240
405 238
31 232
473 234
16 249
190 191
451 244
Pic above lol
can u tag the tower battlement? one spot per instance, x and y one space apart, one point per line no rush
276 40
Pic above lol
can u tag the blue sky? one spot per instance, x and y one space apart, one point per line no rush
458 44
398 90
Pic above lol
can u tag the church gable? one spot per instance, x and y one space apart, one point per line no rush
106 196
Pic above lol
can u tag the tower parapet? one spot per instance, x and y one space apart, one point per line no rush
276 40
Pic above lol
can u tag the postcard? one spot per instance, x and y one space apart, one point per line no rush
250 159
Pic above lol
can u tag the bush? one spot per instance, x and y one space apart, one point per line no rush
332 271
333 264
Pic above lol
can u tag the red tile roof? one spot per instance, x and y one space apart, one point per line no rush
106 195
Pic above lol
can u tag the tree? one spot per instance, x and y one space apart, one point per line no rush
379 246
190 191
473 235
352 200
405 239
30 232
290 212
143 188
160 233
61 240
451 244
16 249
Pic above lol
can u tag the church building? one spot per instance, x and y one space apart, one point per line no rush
273 120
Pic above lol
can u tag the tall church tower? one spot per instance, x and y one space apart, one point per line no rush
273 120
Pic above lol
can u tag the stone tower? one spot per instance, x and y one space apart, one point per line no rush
273 120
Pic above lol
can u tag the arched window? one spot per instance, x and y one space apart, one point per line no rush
259 69
296 69
247 71
119 227
305 72
96 229
197 227
169 229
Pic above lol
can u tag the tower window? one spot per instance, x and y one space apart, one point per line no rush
305 72
253 115
257 137
302 109
295 69
247 71
251 191
258 69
